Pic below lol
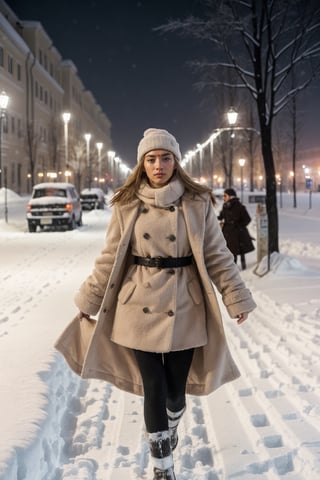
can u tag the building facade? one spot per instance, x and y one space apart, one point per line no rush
38 143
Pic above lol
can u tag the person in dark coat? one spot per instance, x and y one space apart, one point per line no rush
235 218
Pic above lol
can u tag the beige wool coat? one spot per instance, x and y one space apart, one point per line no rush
87 346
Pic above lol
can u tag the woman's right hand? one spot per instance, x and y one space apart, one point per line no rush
242 318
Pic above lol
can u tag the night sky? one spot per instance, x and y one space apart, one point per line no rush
139 77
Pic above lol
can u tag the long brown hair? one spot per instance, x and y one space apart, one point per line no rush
128 191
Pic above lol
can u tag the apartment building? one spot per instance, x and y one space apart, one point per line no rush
37 142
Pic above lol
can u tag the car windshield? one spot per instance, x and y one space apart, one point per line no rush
88 196
49 192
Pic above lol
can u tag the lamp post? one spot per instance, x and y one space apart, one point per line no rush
242 162
99 146
111 155
87 137
260 182
66 118
212 163
199 147
279 182
188 162
4 100
116 164
232 116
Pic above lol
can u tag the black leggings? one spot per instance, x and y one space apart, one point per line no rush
164 377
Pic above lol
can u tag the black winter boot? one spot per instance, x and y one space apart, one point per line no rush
160 450
173 422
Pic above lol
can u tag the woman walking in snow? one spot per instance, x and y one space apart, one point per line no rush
235 218
159 331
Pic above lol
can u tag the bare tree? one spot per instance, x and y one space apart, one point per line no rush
263 41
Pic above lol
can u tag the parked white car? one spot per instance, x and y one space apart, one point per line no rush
54 205
92 198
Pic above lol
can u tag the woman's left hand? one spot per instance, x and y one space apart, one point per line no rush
242 317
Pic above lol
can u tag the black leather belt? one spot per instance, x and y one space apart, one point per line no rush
163 262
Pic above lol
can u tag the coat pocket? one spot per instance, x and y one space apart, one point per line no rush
126 292
195 292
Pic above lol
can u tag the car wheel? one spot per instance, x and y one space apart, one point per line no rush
80 221
32 228
72 225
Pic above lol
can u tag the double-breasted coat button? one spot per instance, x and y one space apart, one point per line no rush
172 238
171 271
144 210
170 313
172 208
145 310
146 236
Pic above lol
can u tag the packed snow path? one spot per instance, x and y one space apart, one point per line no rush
265 425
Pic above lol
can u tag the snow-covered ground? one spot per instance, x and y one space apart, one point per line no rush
265 425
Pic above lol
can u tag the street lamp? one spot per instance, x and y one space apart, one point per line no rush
87 137
242 162
99 146
4 100
232 116
66 118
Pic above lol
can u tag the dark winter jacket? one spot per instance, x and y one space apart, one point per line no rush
235 218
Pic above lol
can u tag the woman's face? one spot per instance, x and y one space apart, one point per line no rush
159 166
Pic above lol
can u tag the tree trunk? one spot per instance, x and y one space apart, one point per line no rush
271 190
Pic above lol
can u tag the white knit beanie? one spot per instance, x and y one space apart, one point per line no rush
158 139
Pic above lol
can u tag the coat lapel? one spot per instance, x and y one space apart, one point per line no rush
195 219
